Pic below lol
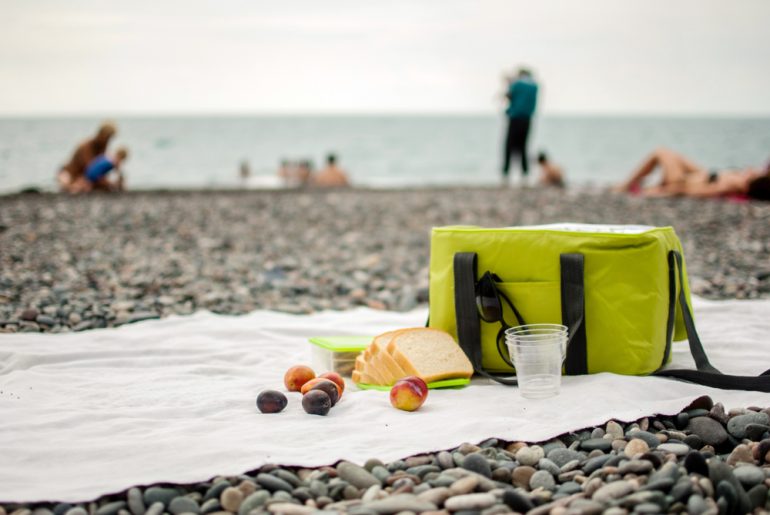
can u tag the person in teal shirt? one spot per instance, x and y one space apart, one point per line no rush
522 97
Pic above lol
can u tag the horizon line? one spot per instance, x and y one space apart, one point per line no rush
354 114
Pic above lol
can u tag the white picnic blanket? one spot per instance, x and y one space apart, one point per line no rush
173 400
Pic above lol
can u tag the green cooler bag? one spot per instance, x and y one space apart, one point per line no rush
620 289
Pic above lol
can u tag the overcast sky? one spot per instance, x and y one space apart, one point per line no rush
357 56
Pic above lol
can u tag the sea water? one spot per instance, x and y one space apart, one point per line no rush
377 151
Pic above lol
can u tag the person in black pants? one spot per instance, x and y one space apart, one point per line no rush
522 95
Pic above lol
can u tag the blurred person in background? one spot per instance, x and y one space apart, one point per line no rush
71 176
332 176
522 99
102 174
681 177
551 174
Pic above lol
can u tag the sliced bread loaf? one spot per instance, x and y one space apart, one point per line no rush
430 354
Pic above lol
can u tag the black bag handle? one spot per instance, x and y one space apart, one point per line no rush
573 308
706 374
469 327
467 315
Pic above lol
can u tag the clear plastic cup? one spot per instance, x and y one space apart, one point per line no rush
537 351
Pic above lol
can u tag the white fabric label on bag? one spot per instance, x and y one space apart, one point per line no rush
591 228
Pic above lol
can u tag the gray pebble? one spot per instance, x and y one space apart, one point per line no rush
284 496
708 429
76 511
678 449
135 501
588 507
111 508
596 463
569 488
319 488
696 505
530 455
650 439
183 505
758 496
756 432
470 502
600 444
45 320
614 490
464 485
82 326
302 493
159 494
61 508
253 501
445 460
356 475
549 466
435 496
475 462
373 462
736 426
636 467
272 483
613 431
381 473
155 508
421 470
597 432
288 508
749 475
400 502
216 490
553 444
287 476
210 506
542 479
563 456
647 508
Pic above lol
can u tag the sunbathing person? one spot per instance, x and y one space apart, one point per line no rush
70 177
332 176
682 177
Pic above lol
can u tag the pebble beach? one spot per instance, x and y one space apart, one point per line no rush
80 263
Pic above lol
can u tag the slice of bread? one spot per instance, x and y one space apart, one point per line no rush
371 369
361 373
430 354
383 361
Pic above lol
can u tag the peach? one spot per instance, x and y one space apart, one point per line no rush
338 380
409 393
297 376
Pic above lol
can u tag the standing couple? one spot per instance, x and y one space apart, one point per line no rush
90 168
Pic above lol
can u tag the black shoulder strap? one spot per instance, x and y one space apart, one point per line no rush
573 312
467 316
706 374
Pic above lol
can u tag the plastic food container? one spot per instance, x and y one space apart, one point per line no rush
337 353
